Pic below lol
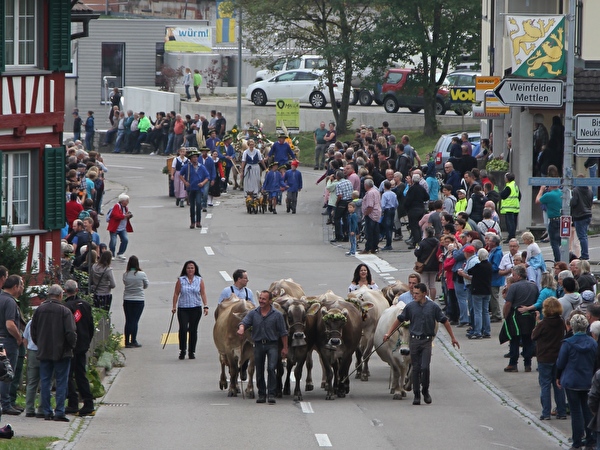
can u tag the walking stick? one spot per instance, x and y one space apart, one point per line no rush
369 355
169 331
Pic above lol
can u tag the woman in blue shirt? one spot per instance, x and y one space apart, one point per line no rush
189 300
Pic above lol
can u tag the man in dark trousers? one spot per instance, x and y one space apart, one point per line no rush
10 333
268 326
84 323
53 331
422 314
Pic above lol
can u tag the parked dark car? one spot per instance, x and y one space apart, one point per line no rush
402 89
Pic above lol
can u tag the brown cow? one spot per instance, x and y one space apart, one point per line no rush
301 341
286 286
233 352
392 291
395 351
338 330
372 305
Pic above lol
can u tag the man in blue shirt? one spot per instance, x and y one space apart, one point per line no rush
213 140
293 181
281 151
194 177
207 162
240 280
267 327
552 198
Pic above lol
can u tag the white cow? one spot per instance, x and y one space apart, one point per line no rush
395 351
372 304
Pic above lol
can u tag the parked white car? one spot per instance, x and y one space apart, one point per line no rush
283 64
307 86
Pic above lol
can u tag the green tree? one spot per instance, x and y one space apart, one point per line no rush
334 29
437 32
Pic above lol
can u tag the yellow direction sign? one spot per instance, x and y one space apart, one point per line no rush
483 84
287 113
493 104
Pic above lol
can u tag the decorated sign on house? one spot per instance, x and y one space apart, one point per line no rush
538 45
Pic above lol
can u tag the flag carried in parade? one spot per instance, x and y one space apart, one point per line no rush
538 45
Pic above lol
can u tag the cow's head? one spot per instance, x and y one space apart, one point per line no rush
334 321
296 317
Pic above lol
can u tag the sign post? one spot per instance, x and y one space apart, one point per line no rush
530 92
287 113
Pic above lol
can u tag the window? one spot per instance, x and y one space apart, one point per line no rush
113 68
16 183
21 32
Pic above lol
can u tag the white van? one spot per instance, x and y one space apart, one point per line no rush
291 63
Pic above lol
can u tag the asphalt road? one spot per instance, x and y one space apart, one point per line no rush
157 401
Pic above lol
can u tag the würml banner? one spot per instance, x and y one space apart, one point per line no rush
538 45
188 39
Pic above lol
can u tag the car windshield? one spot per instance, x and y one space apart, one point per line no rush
289 76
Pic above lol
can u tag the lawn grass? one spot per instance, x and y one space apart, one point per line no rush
27 443
423 144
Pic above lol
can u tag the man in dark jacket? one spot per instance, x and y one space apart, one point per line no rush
84 323
520 293
581 210
414 204
53 331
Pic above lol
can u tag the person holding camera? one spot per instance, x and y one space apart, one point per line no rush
119 225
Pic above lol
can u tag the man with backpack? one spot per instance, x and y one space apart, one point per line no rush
487 224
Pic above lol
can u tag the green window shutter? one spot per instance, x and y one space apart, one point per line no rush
59 36
1 187
54 188
2 36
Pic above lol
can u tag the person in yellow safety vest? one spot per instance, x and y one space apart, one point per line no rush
510 206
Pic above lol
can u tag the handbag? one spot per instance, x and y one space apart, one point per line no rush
419 266
92 287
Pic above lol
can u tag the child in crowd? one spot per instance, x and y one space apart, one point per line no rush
461 203
273 184
352 228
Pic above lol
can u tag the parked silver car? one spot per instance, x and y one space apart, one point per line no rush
441 150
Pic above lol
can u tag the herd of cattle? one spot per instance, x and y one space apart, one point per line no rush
334 327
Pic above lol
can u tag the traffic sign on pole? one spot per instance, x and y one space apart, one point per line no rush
590 182
587 127
530 92
544 181
591 149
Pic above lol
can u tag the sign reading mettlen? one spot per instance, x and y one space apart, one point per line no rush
531 92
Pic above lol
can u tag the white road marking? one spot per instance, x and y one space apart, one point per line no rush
152 206
488 428
323 440
127 167
217 203
306 408
204 230
225 275
209 251
209 216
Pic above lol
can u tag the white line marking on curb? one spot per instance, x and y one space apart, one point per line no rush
306 407
323 440
225 275
209 251
204 230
